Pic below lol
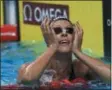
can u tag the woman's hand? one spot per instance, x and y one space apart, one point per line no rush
78 37
48 33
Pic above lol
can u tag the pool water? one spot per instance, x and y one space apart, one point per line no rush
14 54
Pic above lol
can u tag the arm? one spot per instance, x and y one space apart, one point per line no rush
33 70
95 65
29 72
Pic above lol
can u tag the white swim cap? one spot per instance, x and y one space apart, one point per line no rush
61 18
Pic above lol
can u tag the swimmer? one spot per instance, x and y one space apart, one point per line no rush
63 39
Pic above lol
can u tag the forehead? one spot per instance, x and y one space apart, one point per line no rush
61 23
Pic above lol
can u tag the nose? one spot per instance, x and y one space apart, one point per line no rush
64 34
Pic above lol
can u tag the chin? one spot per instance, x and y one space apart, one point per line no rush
64 50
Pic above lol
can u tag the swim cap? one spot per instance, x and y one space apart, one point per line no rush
60 18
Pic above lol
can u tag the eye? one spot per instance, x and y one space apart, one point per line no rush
69 30
57 30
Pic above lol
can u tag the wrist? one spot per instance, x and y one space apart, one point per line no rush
75 51
53 47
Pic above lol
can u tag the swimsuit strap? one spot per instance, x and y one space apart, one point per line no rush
72 74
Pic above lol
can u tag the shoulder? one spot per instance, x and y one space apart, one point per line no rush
76 62
82 70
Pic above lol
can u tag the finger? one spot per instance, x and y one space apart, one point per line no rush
43 25
44 29
79 25
81 30
48 30
53 35
51 23
43 21
78 28
48 25
73 28
48 21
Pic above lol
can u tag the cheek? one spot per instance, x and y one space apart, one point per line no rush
70 37
58 37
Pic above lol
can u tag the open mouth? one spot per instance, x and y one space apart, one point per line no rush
64 42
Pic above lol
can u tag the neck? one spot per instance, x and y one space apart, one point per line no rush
63 57
62 64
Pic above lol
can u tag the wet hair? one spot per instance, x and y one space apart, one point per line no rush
61 18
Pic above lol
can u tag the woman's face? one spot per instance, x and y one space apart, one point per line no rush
64 34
